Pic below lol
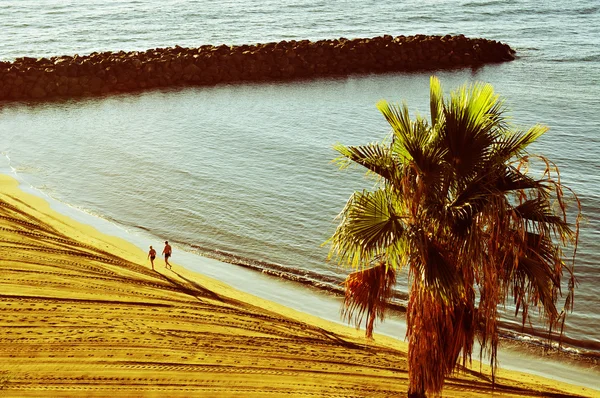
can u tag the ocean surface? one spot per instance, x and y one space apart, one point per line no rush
242 173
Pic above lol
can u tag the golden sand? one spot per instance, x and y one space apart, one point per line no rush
82 314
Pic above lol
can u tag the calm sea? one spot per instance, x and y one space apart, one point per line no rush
243 172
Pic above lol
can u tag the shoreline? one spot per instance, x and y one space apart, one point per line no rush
132 253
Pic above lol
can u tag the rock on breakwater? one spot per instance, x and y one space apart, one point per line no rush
114 72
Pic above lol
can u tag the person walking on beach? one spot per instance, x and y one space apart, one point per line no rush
167 253
152 256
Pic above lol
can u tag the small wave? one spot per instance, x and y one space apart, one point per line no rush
565 347
587 10
589 58
21 169
142 228
482 4
27 169
585 58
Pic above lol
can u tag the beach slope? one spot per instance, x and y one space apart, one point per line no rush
83 314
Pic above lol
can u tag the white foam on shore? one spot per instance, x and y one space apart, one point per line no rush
300 297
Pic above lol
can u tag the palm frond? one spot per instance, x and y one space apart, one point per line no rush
536 285
512 179
513 144
375 157
409 138
367 292
371 224
541 216
436 101
473 123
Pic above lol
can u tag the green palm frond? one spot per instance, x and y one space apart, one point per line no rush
476 109
375 157
472 124
398 118
409 138
511 179
514 143
428 159
370 224
436 100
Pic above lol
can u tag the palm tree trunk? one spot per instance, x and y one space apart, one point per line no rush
370 323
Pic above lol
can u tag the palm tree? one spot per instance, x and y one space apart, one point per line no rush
456 202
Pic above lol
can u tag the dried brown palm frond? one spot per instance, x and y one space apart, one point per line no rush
367 293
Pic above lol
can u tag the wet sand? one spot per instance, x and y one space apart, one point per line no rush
83 314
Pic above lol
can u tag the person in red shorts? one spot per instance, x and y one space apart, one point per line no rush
152 256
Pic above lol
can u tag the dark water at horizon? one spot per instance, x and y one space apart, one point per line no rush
243 172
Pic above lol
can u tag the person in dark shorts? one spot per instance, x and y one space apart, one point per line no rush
152 256
167 251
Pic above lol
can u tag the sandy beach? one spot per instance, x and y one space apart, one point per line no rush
83 314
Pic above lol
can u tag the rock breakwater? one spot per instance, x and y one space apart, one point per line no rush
114 72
